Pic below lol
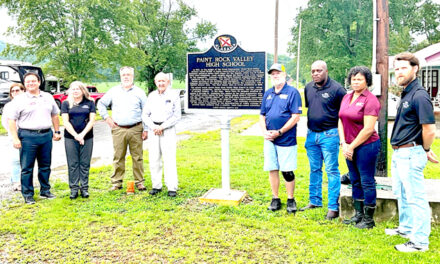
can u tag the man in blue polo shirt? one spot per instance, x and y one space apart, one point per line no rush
411 139
323 98
280 112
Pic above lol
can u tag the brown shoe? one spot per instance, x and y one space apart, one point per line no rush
331 215
115 188
310 206
141 187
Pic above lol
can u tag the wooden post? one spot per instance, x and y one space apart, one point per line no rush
382 69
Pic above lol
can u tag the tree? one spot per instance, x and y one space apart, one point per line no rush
340 31
159 37
72 38
335 31
77 39
427 22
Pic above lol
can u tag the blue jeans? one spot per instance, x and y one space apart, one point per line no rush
407 166
78 161
15 164
35 146
324 146
362 169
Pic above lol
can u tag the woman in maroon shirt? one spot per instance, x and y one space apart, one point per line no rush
360 144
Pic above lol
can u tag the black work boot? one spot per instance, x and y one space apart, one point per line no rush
275 204
291 206
359 208
367 220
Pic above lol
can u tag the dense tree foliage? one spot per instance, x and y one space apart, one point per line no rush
76 39
340 32
162 39
70 37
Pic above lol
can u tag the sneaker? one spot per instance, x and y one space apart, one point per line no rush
291 206
332 215
16 187
155 191
141 187
85 194
47 195
410 247
310 206
29 200
172 193
395 232
115 188
73 195
275 204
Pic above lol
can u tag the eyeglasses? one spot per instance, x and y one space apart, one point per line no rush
16 90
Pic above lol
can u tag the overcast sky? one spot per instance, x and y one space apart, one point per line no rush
251 22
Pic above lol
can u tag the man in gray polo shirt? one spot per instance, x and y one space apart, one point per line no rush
127 102
34 113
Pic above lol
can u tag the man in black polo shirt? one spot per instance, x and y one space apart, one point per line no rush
412 136
323 98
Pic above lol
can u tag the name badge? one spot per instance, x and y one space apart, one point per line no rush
360 104
405 104
283 96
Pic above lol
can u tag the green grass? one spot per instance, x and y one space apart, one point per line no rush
112 227
3 131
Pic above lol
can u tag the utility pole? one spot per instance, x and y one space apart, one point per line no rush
298 54
382 69
275 54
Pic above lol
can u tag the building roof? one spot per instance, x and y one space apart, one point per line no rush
429 56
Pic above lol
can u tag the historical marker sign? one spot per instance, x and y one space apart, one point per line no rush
226 78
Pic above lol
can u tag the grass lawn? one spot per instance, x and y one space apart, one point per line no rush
112 227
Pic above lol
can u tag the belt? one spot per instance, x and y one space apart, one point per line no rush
39 131
409 145
158 123
129 126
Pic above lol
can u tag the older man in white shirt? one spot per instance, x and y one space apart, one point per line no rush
161 113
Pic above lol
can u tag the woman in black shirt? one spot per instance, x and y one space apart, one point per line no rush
78 113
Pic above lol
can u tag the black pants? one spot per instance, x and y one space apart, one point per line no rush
78 161
35 146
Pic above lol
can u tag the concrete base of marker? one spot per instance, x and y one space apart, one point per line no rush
386 204
223 197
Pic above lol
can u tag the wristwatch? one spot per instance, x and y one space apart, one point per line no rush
279 132
58 132
427 150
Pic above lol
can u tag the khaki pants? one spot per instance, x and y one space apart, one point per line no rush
131 137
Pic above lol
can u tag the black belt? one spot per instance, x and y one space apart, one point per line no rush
39 131
158 123
129 126
409 145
